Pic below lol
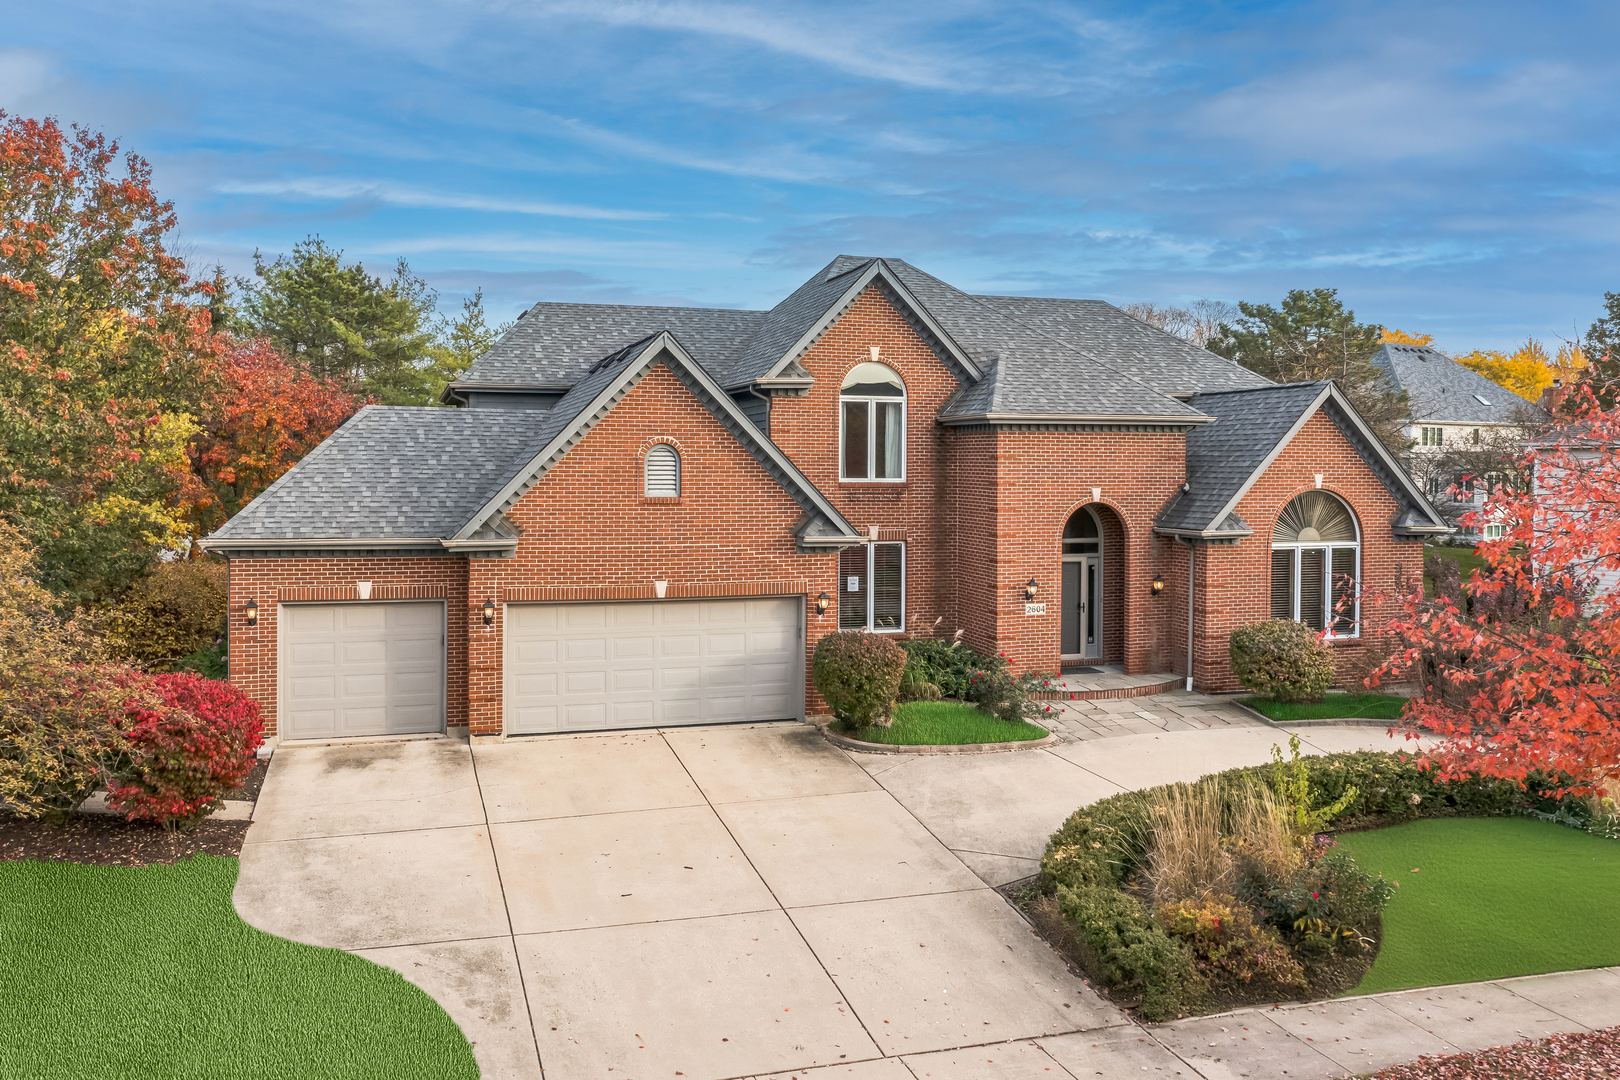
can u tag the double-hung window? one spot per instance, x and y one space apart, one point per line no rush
872 425
1434 436
872 587
1316 564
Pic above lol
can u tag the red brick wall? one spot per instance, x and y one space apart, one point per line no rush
253 650
586 524
1041 478
1234 584
807 431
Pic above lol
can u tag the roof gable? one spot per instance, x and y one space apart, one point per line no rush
603 387
1227 458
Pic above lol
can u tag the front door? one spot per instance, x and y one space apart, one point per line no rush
1082 608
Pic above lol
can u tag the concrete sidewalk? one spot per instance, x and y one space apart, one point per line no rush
753 902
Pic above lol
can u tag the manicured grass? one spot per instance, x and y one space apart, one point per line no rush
117 971
946 723
1334 707
1492 897
1465 558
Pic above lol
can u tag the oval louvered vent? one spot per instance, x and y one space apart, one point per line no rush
663 472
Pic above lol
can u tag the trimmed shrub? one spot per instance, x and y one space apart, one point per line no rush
190 740
1130 949
1227 944
59 731
859 674
175 611
1330 903
1281 660
996 690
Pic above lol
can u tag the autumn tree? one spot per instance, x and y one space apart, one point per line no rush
102 339
1525 676
1603 349
260 413
342 322
1312 336
1391 336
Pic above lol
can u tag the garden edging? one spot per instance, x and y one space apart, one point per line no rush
965 748
1359 721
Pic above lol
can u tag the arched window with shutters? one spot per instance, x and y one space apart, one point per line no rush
1316 563
662 472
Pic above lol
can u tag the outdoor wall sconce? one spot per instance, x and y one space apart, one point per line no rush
489 612
253 613
1158 584
823 602
1031 589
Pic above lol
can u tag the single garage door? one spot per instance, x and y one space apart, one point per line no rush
361 669
589 667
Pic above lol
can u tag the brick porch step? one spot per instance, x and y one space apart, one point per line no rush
1104 685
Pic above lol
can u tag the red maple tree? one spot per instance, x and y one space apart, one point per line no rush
261 413
1520 671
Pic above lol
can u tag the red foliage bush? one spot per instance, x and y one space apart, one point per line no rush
190 741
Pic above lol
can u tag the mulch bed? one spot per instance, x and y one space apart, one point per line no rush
1585 1055
106 840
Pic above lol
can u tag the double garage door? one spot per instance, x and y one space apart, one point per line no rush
361 669
593 667
351 670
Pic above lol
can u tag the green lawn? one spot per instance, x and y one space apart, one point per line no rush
1492 897
1467 562
946 723
1334 707
118 971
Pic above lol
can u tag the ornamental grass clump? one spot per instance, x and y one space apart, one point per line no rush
859 672
1282 660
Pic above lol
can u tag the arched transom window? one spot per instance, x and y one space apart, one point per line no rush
662 471
1316 563
872 424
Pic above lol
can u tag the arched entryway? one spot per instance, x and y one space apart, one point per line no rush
1082 627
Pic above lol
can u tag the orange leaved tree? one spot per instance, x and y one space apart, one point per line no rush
1521 671
261 412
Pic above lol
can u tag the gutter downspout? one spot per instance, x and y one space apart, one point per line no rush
1192 571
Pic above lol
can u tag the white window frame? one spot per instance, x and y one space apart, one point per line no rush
1327 547
1438 433
646 459
1495 532
871 593
871 435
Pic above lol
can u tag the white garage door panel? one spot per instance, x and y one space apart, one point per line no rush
362 669
583 667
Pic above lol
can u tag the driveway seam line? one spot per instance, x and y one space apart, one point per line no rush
785 913
523 983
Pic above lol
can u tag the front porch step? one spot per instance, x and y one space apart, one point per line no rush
1108 684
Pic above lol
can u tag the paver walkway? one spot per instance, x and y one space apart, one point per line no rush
752 902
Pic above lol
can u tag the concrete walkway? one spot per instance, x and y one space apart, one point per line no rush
752 902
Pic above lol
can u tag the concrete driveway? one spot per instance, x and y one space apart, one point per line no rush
714 902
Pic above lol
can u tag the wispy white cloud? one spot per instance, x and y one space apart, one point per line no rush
422 198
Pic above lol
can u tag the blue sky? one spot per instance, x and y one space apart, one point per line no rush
1453 168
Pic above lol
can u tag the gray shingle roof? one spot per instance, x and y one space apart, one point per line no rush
1160 359
1440 390
392 472
555 344
1221 457
787 322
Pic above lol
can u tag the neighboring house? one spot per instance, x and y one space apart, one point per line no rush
649 515
1459 420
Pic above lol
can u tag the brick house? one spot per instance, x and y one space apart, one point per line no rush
649 516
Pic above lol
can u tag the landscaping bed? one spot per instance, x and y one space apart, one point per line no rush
1197 898
946 723
1476 897
1579 1055
118 971
105 840
1331 707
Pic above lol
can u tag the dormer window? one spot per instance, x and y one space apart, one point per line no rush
872 424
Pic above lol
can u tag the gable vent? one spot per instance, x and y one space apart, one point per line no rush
663 472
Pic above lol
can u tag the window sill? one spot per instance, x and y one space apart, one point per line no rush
660 500
863 480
